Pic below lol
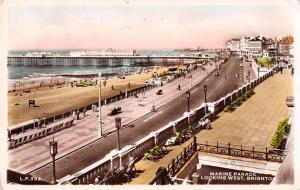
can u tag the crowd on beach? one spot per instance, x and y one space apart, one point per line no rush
51 81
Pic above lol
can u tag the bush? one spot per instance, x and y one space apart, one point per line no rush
278 136
228 108
234 104
244 97
239 101
251 92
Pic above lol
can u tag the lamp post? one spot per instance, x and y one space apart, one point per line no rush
191 77
53 152
118 126
99 103
205 100
249 76
188 96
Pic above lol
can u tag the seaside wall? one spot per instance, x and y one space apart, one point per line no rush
137 150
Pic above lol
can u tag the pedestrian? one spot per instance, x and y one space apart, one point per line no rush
74 115
281 69
207 122
179 87
77 113
292 71
84 110
153 107
9 135
225 76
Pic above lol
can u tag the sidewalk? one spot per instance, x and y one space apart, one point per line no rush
252 124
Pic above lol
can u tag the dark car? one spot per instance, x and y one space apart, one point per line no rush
159 92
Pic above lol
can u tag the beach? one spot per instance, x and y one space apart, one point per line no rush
53 100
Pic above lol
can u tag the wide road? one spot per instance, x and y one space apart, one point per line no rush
217 87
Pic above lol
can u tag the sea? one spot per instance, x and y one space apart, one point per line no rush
18 72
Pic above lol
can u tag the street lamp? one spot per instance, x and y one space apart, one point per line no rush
53 152
118 126
99 103
249 76
188 96
205 100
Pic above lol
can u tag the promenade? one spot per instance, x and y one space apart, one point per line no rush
251 124
85 130
87 155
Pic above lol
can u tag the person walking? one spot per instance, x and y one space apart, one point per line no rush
153 107
74 115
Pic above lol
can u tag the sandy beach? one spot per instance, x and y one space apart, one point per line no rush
63 98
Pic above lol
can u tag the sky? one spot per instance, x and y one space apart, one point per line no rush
141 26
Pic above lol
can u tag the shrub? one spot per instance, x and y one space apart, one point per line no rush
234 104
239 101
177 134
228 108
278 136
251 92
244 97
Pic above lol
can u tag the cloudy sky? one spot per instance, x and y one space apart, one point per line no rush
142 26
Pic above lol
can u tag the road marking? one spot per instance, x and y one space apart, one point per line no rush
152 116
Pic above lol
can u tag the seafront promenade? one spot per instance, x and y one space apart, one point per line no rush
86 129
96 150
251 124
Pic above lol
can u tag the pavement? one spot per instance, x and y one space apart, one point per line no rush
87 155
251 124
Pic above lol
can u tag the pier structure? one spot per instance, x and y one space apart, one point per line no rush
101 61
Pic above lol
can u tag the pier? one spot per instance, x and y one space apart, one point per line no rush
101 61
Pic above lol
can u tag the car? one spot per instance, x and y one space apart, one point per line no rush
159 92
290 101
216 74
204 123
170 141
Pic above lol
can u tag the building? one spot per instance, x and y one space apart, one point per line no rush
244 45
233 45
271 46
255 47
285 45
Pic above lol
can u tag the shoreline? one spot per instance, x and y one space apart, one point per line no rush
35 80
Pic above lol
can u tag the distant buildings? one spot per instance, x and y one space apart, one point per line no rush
260 46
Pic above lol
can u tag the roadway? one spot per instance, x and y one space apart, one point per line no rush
217 87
